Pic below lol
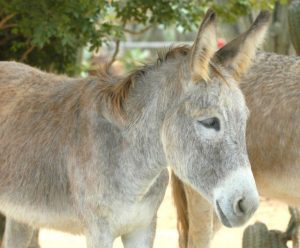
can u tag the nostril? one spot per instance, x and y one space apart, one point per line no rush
239 207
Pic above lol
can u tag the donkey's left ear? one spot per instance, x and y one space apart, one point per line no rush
237 54
204 47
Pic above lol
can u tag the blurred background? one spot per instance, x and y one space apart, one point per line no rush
75 37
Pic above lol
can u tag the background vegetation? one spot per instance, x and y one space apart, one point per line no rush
50 34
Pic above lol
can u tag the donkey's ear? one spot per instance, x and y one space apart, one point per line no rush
204 47
237 54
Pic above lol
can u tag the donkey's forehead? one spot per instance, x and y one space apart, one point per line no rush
232 97
218 96
232 101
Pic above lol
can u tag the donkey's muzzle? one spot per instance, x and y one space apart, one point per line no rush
236 198
241 212
222 216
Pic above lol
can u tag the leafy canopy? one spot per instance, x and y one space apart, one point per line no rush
49 33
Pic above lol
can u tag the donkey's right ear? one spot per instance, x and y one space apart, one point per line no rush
204 47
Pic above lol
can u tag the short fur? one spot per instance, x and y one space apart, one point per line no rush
68 162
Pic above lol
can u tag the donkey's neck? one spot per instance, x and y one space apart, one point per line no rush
147 104
139 153
154 92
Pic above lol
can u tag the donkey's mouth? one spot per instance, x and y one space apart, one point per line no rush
223 217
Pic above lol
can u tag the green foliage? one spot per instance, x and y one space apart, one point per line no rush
184 13
49 33
55 29
230 10
133 58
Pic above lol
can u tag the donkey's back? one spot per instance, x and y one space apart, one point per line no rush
34 131
273 135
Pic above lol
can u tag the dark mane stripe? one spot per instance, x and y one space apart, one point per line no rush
115 91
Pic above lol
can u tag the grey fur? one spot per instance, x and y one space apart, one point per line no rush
68 162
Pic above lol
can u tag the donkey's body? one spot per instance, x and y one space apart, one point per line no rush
90 154
273 137
54 154
272 92
35 154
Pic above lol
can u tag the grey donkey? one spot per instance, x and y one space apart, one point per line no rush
90 155
272 92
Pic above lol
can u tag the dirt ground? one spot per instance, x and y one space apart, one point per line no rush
274 214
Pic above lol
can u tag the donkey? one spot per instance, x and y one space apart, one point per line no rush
272 91
90 155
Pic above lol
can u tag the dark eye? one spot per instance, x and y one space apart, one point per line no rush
211 123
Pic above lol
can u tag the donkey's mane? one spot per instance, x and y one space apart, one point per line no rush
115 90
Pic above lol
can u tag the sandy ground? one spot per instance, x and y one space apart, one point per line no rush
274 214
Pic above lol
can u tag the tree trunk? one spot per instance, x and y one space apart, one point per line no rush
294 22
2 226
278 40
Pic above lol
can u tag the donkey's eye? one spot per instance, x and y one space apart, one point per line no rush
213 123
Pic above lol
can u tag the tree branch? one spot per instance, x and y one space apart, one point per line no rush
114 56
5 20
26 53
5 40
9 26
137 32
117 48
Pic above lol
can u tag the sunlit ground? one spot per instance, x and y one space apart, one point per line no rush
273 213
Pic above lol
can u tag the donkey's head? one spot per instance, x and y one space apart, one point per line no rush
204 134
